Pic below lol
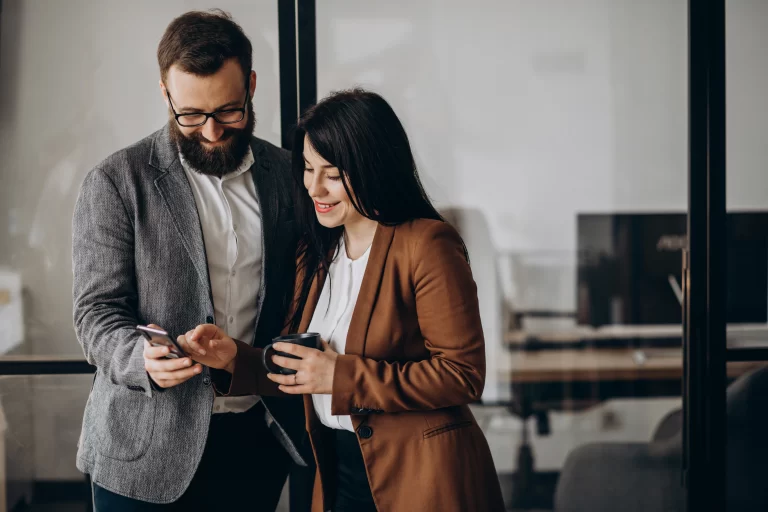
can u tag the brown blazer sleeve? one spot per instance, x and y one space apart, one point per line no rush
449 320
249 377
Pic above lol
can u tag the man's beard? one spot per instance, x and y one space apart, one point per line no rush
219 160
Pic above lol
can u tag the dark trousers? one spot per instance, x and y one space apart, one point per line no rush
243 467
353 493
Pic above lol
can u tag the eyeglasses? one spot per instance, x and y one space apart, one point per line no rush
226 116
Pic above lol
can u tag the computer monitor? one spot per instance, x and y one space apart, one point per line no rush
629 268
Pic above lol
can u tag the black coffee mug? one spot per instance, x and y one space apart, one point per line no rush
308 339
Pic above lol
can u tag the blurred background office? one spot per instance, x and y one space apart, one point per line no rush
553 134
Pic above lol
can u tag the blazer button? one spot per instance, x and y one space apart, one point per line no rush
209 319
207 380
365 432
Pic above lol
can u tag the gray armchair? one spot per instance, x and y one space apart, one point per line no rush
645 477
626 477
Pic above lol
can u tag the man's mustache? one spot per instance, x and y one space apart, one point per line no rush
227 135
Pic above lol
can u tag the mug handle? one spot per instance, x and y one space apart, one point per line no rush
264 359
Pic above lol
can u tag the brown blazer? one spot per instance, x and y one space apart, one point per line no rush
415 357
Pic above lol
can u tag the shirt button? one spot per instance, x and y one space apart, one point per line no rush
234 227
217 408
231 319
233 272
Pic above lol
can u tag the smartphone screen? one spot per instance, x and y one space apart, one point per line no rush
160 338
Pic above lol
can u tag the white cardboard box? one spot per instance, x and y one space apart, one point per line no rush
11 312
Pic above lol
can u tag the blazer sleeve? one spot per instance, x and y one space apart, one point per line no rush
449 320
104 286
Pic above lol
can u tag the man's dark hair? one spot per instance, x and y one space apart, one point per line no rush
199 42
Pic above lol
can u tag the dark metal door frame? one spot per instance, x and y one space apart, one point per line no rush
298 68
704 263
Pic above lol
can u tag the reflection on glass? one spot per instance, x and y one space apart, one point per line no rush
746 450
746 177
746 185
77 85
40 420
527 129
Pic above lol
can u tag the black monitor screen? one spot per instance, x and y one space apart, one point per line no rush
629 268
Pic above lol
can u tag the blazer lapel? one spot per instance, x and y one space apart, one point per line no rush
262 179
312 421
176 192
260 173
369 290
361 316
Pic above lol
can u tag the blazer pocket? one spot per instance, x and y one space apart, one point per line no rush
442 429
124 421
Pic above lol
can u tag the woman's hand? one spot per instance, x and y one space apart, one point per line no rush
209 345
314 371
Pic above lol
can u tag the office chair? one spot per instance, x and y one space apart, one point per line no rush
645 477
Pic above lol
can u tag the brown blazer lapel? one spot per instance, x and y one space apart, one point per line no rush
312 421
369 290
361 316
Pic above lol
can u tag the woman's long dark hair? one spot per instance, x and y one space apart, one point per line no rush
357 132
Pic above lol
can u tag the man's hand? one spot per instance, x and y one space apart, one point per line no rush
167 373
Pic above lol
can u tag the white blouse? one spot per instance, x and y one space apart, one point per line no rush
332 317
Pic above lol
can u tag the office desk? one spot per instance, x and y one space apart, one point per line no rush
602 364
577 369
624 336
584 364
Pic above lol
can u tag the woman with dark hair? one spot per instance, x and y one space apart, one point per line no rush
387 283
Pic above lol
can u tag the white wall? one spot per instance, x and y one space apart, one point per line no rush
529 111
747 103
534 111
80 81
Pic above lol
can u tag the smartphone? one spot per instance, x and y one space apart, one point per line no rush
160 338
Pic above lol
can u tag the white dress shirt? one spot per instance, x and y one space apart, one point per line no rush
230 218
332 320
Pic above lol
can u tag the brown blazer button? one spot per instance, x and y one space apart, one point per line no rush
365 432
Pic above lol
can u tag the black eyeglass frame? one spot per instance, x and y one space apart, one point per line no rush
213 115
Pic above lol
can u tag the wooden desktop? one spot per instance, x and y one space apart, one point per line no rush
611 353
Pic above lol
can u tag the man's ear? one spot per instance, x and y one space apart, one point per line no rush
252 84
164 93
